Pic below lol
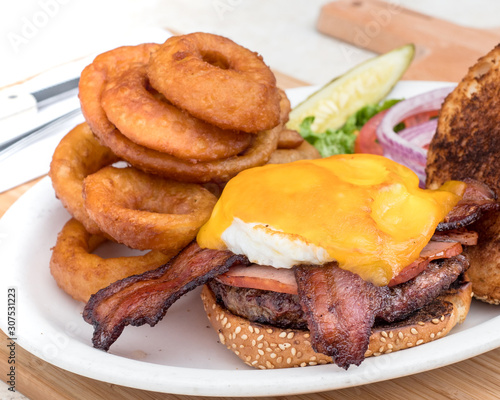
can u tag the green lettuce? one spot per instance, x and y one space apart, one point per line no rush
341 141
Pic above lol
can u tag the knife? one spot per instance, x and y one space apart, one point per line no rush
22 112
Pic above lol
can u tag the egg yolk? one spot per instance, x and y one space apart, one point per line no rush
366 211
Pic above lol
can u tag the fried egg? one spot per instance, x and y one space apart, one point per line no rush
365 212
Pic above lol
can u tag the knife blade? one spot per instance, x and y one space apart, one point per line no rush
22 112
50 93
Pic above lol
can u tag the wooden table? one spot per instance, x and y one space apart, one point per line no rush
477 378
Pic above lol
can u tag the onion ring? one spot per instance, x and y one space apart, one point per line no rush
289 139
145 211
305 151
80 273
95 76
77 155
216 80
158 163
147 120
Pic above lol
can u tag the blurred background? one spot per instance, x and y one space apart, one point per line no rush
40 34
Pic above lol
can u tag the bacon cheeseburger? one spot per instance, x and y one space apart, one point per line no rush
329 260
345 261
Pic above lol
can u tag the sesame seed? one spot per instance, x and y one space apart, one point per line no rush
250 328
262 367
313 358
384 334
222 338
257 330
377 354
421 323
391 335
390 346
281 346
260 345
414 331
289 360
260 352
368 353
269 330
254 362
303 364
290 335
383 339
282 334
306 335
293 351
307 342
381 349
279 360
420 341
237 330
400 335
248 358
442 318
272 355
388 351
233 345
299 354
269 350
228 325
313 363
432 335
244 336
409 344
213 306
269 365
237 352
259 338
435 321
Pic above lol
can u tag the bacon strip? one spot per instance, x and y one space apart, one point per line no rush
340 307
340 310
463 236
144 299
477 200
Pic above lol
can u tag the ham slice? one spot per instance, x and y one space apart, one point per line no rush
282 280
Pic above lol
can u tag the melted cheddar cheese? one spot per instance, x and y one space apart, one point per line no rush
364 211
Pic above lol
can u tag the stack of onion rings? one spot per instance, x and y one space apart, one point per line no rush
189 114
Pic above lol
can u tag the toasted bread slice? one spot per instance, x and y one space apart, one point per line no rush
467 145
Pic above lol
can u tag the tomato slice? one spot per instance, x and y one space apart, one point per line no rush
417 119
366 141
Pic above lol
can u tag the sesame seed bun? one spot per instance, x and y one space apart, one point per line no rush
266 346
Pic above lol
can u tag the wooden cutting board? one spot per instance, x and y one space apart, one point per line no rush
444 50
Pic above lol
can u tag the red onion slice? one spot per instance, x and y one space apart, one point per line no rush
406 147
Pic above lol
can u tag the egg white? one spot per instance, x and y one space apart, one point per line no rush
265 245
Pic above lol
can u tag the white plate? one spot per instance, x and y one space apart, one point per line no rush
181 354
